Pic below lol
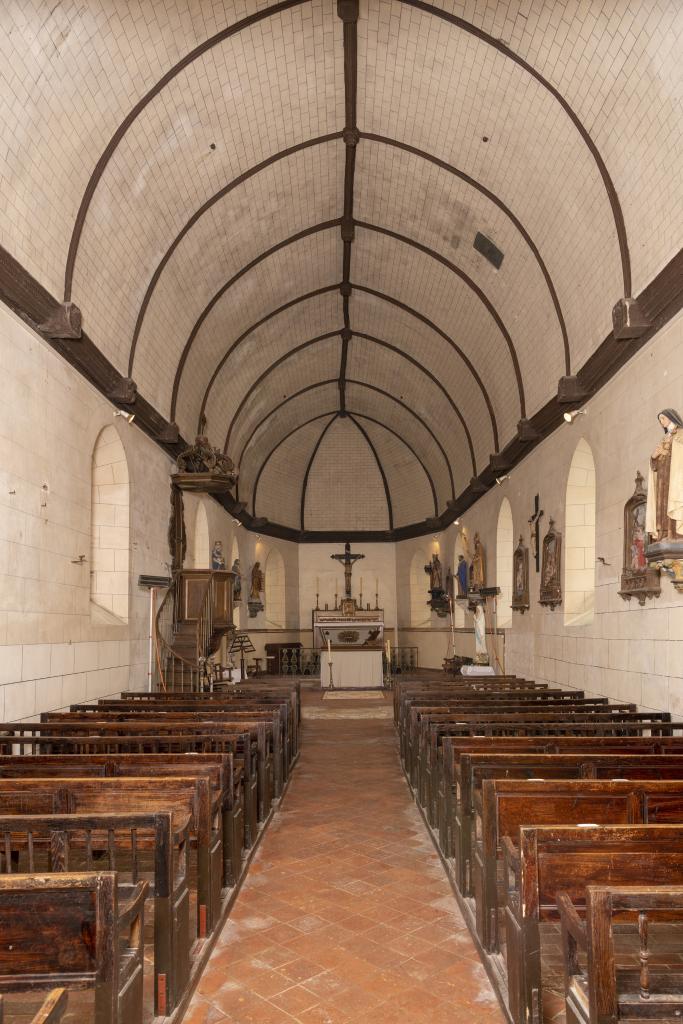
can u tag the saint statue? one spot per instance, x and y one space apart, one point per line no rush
478 565
435 573
237 584
664 514
257 582
461 575
217 556
481 656
638 559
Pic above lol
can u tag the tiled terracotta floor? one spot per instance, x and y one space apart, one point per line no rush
346 914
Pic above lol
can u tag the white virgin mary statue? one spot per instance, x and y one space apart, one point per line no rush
481 656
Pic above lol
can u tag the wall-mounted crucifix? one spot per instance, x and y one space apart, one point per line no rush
348 560
535 532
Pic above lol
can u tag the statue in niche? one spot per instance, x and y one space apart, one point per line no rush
664 518
217 556
258 583
664 510
461 576
237 583
478 567
551 567
637 578
435 573
520 577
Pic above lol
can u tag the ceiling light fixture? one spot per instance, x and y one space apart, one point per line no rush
128 416
569 417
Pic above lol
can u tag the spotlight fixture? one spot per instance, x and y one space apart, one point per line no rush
456 522
501 479
569 417
128 416
236 522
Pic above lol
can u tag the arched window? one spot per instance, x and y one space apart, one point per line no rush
579 539
201 545
504 550
109 529
419 590
275 589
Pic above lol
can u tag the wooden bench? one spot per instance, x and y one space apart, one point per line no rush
547 861
472 769
47 843
225 779
505 805
605 991
188 799
90 937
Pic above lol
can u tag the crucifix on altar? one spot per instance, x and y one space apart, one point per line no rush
348 560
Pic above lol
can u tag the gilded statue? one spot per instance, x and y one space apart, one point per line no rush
257 582
664 511
478 564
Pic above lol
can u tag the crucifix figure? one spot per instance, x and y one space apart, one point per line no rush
347 560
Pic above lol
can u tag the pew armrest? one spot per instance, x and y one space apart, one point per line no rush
573 940
512 866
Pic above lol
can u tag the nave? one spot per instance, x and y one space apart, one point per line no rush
347 914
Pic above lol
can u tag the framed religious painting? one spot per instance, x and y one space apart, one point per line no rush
551 567
520 577
639 579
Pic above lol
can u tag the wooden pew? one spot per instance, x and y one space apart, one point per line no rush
146 843
472 769
605 991
505 805
548 861
89 938
149 736
226 780
188 799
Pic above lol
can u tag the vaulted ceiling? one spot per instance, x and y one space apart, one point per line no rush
267 215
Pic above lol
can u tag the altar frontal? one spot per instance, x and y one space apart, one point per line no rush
350 637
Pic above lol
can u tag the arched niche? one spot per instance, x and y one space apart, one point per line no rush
201 544
109 529
579 538
419 586
275 589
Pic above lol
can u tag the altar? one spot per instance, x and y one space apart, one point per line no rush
350 637
351 648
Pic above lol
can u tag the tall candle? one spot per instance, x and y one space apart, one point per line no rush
329 647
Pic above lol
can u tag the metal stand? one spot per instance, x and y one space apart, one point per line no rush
329 669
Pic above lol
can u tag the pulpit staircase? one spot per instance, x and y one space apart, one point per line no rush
195 614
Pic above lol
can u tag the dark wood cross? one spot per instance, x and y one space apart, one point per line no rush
535 532
347 560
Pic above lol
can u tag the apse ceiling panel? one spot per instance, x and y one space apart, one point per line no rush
233 412
278 423
391 268
275 84
435 86
432 406
390 325
293 196
409 423
332 500
432 207
286 279
278 495
410 487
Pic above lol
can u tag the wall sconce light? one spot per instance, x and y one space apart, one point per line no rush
236 522
501 479
456 522
569 417
128 416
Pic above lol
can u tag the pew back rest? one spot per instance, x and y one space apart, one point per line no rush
552 859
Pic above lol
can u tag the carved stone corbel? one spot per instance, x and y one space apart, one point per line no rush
63 323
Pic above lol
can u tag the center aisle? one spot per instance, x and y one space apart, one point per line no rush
346 915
